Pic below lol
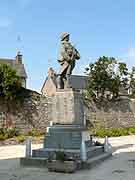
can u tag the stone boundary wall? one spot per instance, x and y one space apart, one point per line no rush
36 113
33 113
113 115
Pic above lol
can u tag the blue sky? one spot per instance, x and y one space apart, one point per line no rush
97 28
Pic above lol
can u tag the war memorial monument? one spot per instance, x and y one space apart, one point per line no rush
67 131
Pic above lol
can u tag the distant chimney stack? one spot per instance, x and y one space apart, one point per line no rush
19 58
50 72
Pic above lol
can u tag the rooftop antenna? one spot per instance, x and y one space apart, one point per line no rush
49 63
18 54
19 41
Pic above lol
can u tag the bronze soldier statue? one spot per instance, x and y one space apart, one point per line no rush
68 55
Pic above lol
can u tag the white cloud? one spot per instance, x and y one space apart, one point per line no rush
5 22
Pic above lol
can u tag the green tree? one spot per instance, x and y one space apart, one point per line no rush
106 77
132 81
10 83
10 86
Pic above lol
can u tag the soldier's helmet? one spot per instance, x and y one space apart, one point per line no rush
64 35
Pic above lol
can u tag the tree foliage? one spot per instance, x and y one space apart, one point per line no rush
107 77
10 83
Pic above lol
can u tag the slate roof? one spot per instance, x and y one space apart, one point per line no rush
20 69
77 81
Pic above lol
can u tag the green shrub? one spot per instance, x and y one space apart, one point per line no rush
12 132
21 138
100 132
3 137
3 131
34 132
114 132
6 133
132 130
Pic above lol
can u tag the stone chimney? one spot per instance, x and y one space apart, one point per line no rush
50 72
19 58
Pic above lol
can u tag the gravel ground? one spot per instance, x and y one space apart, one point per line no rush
121 166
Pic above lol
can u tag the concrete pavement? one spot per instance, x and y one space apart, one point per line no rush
121 166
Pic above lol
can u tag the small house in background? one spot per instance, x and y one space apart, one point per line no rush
18 66
49 87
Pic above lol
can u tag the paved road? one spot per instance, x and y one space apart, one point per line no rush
120 167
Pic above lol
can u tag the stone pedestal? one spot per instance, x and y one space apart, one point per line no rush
67 107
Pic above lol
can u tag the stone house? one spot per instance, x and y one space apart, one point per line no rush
49 87
18 66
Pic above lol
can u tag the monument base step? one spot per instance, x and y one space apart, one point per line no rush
42 162
33 162
47 152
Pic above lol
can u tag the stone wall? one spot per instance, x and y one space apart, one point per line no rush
37 113
32 113
112 114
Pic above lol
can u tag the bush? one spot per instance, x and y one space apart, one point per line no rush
114 132
12 132
132 130
7 133
3 137
34 132
3 131
20 138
